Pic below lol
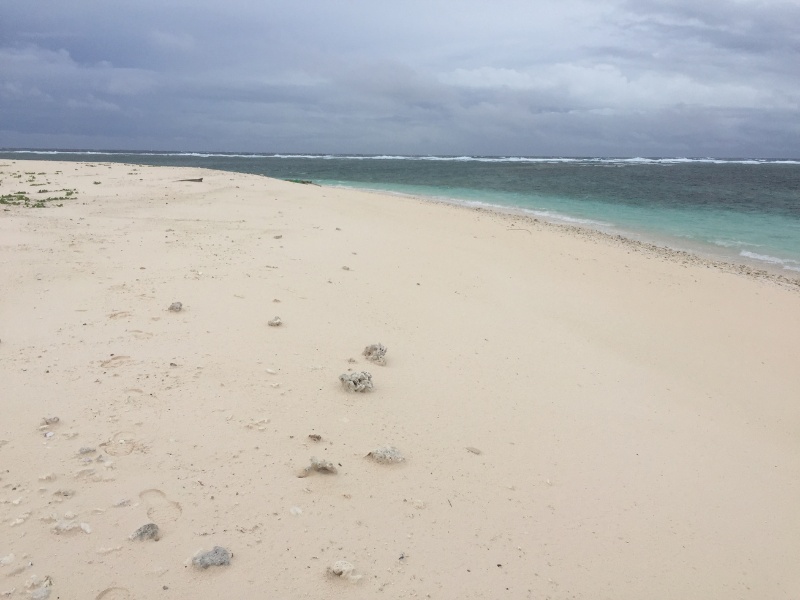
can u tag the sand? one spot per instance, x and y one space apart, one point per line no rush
577 417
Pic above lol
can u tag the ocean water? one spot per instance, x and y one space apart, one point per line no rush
745 211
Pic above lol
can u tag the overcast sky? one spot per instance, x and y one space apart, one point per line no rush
466 77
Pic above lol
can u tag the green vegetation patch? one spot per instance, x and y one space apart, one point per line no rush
15 199
22 199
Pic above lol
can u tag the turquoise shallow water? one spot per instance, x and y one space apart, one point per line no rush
743 210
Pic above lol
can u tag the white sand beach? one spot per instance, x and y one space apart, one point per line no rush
579 417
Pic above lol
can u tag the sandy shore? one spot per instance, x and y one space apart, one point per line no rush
579 417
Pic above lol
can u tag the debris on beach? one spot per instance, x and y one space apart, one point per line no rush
315 437
176 307
344 570
375 353
20 520
216 557
276 322
277 237
345 268
39 588
318 465
70 525
474 450
386 455
149 531
47 421
358 381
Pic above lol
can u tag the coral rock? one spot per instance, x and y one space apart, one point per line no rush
358 381
146 532
376 353
386 455
345 570
217 557
320 466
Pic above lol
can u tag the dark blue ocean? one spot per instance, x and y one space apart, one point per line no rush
742 210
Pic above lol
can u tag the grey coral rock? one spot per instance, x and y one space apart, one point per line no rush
149 531
358 381
276 322
216 557
376 353
176 307
386 455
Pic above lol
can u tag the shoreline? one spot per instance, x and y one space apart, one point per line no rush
649 243
570 408
771 262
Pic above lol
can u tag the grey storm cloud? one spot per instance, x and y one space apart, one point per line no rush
568 77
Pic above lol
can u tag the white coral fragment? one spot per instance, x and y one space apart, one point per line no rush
375 353
318 465
344 570
386 455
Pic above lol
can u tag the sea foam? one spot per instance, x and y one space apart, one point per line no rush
791 265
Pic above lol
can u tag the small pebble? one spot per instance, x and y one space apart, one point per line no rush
217 557
176 307
149 531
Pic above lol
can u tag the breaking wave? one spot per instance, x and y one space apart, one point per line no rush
486 159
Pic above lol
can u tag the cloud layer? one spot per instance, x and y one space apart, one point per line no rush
573 77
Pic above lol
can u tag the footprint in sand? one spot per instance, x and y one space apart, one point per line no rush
114 362
120 314
139 334
120 444
114 593
160 509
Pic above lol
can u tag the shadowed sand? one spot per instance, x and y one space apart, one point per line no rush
576 416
